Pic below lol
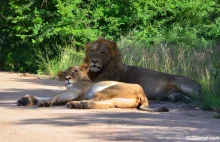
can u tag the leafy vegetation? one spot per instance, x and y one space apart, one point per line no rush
174 36
33 25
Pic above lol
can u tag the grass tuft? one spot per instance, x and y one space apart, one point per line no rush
67 57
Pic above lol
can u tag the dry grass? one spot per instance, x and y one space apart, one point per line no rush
194 63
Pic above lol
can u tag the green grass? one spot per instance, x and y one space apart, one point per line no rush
194 63
68 57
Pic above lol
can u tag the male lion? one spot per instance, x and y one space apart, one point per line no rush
105 64
82 93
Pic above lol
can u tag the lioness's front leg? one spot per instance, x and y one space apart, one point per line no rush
62 97
49 102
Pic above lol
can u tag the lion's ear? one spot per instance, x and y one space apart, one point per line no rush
114 48
88 45
114 45
60 76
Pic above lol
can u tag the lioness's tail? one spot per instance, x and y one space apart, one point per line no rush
161 109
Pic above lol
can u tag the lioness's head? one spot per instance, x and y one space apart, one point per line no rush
100 53
73 74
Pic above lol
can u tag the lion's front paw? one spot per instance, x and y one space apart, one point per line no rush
77 105
44 104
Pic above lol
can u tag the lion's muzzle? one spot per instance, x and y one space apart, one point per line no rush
95 66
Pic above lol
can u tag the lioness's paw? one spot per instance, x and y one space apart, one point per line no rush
23 101
74 104
69 105
77 105
44 104
26 101
85 104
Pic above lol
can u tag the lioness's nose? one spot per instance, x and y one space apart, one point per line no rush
67 78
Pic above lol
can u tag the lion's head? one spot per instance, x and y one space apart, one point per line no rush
103 57
73 74
100 53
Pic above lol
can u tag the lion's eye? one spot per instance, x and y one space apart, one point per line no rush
64 73
91 51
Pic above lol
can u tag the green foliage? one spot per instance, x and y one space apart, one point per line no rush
81 20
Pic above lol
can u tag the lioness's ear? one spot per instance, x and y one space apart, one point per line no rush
87 67
60 76
84 66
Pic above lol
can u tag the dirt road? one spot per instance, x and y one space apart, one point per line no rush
56 124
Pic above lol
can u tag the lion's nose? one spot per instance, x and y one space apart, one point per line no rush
94 61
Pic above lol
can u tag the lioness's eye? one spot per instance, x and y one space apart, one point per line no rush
91 51
75 72
64 73
103 53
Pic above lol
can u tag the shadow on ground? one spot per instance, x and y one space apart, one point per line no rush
121 124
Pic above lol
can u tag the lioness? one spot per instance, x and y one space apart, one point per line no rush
105 64
82 93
